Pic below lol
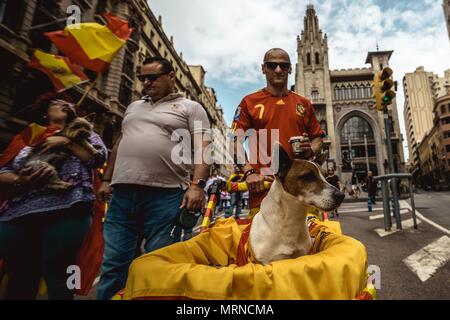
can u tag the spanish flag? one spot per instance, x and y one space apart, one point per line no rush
90 44
30 136
60 70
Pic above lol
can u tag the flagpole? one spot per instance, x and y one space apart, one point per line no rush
87 91
33 104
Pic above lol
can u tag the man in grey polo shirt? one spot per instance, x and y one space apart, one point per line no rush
149 185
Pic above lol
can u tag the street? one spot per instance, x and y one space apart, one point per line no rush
414 264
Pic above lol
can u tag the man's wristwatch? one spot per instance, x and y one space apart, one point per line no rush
249 173
199 183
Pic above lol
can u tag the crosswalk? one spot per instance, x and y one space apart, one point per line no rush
406 224
425 262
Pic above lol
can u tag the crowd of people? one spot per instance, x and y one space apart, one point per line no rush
41 229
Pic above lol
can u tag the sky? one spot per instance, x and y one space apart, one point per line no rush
229 38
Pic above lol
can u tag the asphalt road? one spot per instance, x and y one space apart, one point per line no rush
414 264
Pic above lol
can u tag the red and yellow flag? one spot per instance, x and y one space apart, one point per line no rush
30 136
90 44
60 70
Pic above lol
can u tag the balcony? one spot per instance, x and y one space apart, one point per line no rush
318 102
133 41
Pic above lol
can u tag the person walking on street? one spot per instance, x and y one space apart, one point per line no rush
148 187
236 197
371 187
334 180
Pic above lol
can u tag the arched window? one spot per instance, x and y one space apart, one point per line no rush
362 91
358 92
355 92
324 127
336 93
308 59
354 152
355 128
342 93
317 58
369 91
349 93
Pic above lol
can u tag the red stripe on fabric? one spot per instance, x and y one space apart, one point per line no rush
118 26
56 82
76 70
241 256
90 254
73 50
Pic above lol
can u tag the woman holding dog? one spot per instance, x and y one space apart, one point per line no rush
41 230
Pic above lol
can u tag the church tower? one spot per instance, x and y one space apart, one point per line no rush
312 79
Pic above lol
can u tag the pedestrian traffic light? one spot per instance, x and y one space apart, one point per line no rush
382 89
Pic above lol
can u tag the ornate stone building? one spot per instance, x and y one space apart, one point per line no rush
22 24
343 101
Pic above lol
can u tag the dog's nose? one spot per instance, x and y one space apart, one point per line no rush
340 196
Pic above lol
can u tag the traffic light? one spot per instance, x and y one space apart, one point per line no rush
382 89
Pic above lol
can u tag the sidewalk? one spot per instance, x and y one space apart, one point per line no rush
362 198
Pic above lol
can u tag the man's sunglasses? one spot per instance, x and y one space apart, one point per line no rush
150 77
285 66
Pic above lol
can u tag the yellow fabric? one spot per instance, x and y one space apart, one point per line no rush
253 212
58 68
97 41
200 269
36 131
3 286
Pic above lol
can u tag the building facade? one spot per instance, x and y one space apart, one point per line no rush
418 109
22 25
356 136
421 89
434 150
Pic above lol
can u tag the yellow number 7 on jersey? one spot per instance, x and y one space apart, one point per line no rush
261 112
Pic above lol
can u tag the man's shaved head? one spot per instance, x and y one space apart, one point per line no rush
277 53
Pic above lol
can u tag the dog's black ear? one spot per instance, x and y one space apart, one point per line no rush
281 161
320 158
91 117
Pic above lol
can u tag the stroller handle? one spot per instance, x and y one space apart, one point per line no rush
242 186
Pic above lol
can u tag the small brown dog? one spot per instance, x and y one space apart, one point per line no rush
279 231
78 131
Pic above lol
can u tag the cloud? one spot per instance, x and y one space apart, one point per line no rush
229 38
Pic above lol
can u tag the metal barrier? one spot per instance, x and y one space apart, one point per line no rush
386 201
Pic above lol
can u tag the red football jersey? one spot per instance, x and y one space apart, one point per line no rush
293 115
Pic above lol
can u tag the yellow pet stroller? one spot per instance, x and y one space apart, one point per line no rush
215 265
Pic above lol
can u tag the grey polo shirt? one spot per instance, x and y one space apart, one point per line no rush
150 132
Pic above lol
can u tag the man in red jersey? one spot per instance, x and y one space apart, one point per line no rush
274 107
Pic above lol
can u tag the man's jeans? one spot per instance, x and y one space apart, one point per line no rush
136 213
236 202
